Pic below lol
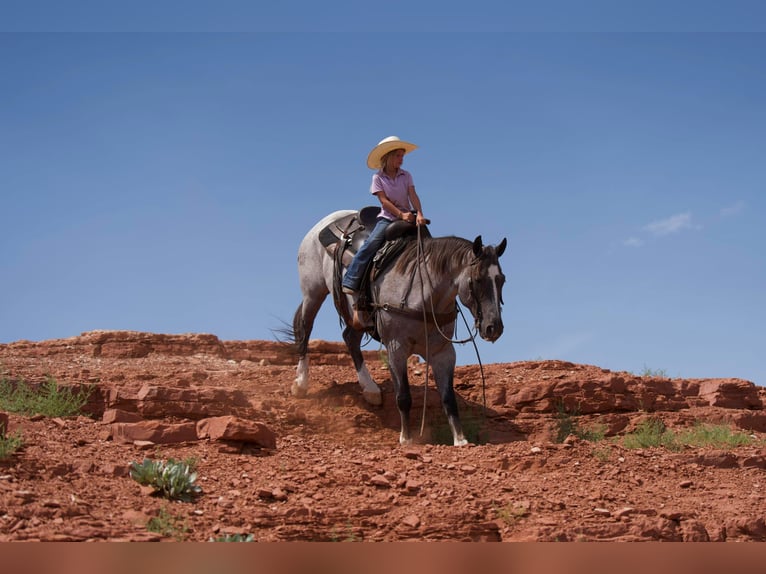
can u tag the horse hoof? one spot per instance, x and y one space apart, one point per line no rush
297 391
461 442
373 397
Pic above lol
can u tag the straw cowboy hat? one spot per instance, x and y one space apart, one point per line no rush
384 146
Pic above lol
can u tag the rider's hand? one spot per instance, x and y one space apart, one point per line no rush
408 217
421 220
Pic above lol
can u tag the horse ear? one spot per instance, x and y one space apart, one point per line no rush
500 249
478 246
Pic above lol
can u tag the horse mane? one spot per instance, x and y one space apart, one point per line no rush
442 253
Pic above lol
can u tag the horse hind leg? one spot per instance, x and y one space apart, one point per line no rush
303 323
370 389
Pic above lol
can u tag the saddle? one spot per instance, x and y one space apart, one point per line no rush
350 231
343 237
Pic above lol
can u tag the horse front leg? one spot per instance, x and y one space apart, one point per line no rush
370 390
444 373
397 365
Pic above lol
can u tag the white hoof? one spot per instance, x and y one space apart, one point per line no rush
373 397
298 391
461 442
405 441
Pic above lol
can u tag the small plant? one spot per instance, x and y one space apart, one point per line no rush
48 399
234 538
168 525
350 536
719 436
566 423
513 512
602 454
9 444
172 479
651 433
657 373
595 433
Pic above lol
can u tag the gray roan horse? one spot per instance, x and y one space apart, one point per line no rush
450 267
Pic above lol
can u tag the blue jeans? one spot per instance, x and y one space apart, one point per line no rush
367 251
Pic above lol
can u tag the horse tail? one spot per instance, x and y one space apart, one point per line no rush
298 332
294 337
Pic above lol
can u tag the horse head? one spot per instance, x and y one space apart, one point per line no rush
482 289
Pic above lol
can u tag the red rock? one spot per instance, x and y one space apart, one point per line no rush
154 431
231 428
730 394
118 416
750 421
196 403
380 481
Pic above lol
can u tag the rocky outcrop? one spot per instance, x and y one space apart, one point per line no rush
136 344
329 466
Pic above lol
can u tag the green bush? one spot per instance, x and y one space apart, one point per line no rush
656 373
172 479
654 433
719 436
168 525
9 444
566 424
651 433
48 399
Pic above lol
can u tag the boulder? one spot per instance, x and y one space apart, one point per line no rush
230 428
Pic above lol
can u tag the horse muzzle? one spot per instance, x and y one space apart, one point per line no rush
491 330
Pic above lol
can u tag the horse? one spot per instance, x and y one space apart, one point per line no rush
413 306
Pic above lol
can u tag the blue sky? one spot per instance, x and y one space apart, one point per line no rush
162 182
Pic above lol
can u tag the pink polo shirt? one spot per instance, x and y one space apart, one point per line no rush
396 189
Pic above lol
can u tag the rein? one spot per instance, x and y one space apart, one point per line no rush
432 318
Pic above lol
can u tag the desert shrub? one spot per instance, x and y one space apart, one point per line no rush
9 444
651 433
566 424
719 436
654 433
657 373
48 399
512 512
172 479
168 525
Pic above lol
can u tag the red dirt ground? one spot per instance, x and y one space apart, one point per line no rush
338 472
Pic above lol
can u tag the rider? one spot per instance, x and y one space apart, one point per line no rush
395 190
